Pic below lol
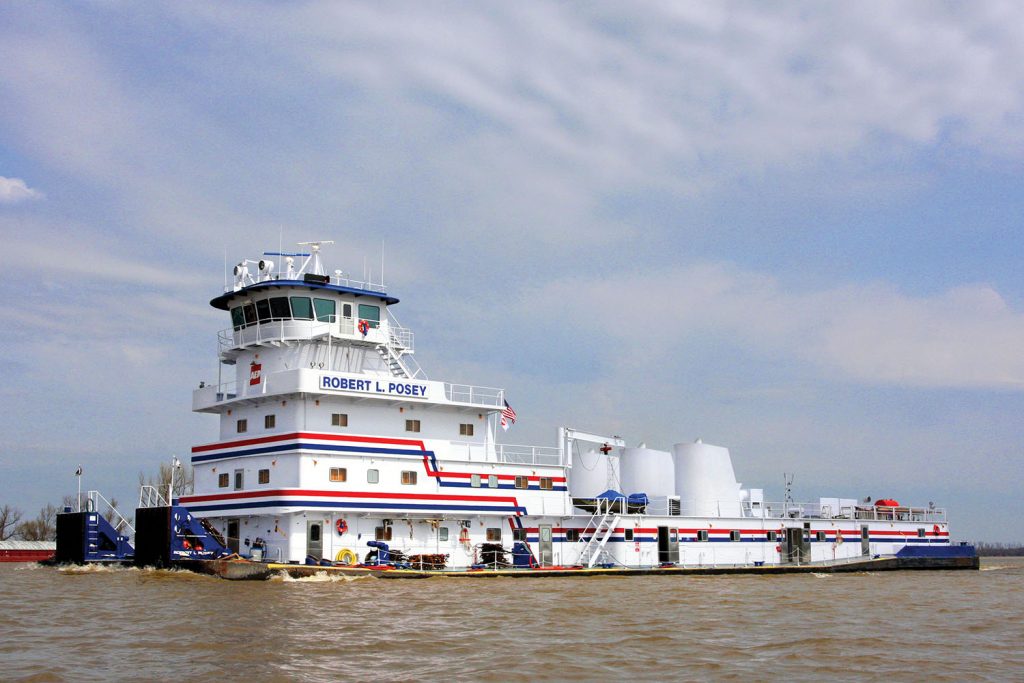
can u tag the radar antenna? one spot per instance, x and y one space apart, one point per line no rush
317 267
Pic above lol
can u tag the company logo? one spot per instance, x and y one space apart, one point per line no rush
254 373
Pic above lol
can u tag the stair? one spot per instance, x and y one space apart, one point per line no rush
604 525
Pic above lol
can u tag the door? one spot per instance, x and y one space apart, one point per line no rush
234 532
314 539
794 545
865 540
668 545
544 546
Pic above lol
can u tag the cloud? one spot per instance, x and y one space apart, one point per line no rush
967 337
14 190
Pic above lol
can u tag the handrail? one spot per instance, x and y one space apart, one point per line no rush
93 498
150 497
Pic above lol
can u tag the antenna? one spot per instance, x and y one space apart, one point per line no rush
225 268
382 263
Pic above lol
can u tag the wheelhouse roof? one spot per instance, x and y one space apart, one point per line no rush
223 302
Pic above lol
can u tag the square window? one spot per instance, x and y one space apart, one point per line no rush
242 426
412 425
223 480
545 483
522 482
269 421
474 480
339 474
239 480
466 430
771 535
734 535
519 534
920 533
263 476
572 535
628 534
442 533
819 536
492 481
339 420
494 534
408 477
382 533
372 476
702 534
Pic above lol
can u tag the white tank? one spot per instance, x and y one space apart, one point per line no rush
705 481
645 470
593 473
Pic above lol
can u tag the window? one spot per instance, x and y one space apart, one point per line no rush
545 483
339 420
771 535
301 308
339 474
734 535
412 425
326 312
408 477
346 310
370 314
442 533
263 310
466 430
382 533
522 483
279 308
242 426
628 534
920 533
249 313
519 534
237 318
239 480
819 536
572 535
494 534
314 532
263 476
492 481
223 480
474 480
372 476
269 421
864 533
702 534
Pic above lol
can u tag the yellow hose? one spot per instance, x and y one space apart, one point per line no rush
346 556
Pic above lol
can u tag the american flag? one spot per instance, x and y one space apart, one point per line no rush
507 416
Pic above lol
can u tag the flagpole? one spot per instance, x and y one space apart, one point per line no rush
78 476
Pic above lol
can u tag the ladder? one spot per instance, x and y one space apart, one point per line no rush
399 363
604 524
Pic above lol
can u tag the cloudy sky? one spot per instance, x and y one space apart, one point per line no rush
792 229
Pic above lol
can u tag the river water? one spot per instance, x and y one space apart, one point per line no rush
130 624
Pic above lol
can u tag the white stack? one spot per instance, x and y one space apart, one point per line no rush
645 470
705 481
593 473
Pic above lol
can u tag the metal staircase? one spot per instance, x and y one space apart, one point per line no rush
400 362
603 522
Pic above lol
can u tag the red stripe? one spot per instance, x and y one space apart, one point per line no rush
308 435
344 494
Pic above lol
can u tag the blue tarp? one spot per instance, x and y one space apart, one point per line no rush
610 494
638 499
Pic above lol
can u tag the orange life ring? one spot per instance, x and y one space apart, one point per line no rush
364 327
341 526
464 536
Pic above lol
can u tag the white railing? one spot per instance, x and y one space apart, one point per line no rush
93 499
668 506
528 455
289 329
480 396
399 336
150 497
296 276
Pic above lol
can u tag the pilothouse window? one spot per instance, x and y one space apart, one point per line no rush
370 314
249 313
237 318
279 308
302 309
263 310
325 310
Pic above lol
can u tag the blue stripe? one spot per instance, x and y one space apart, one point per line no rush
347 505
511 487
310 447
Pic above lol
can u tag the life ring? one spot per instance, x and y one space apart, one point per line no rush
341 526
935 529
346 556
364 327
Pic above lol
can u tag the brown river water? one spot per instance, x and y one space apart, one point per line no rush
147 625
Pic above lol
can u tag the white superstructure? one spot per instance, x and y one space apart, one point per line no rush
331 436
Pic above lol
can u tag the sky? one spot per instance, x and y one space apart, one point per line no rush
792 229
